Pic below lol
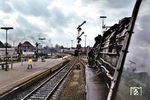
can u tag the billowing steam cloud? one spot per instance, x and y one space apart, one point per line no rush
139 51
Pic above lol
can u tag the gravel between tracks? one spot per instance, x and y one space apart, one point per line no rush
74 88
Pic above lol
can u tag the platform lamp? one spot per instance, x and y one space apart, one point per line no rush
6 28
36 53
41 39
71 43
103 23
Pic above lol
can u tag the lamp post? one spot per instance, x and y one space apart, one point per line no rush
103 24
71 43
104 27
41 39
36 44
6 28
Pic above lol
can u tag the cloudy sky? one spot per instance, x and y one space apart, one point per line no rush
57 20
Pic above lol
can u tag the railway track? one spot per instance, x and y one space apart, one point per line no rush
46 89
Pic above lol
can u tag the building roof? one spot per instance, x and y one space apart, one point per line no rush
27 44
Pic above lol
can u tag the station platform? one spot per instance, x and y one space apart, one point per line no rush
96 89
19 73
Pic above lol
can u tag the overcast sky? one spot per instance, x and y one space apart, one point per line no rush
57 20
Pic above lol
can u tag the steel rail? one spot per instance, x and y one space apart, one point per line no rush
57 85
48 80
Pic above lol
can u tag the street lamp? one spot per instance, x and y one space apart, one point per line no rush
41 42
103 24
71 43
36 53
41 39
6 28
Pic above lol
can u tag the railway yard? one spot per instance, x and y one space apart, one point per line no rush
110 69
66 78
54 79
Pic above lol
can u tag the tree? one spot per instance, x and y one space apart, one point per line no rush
1 45
8 45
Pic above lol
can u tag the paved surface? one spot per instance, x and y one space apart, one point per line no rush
96 89
20 73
